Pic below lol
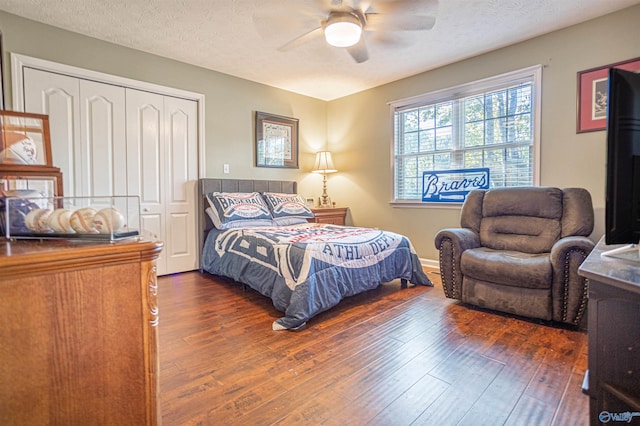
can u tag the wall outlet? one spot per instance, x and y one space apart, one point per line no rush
225 168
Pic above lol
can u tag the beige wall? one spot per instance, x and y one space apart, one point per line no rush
360 125
357 128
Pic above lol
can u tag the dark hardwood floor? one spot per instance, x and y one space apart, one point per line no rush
391 356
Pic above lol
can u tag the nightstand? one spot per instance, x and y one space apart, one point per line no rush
330 215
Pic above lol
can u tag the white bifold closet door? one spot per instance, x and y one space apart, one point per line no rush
112 140
162 170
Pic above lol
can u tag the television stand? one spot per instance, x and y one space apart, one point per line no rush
614 334
629 252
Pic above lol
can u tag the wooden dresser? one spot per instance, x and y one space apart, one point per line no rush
331 215
78 333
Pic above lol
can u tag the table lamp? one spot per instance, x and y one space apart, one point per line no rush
324 165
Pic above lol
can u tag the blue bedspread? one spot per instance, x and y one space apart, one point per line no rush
306 269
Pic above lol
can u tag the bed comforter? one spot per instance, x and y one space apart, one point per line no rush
308 268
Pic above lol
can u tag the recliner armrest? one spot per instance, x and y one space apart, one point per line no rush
464 238
451 242
569 290
565 244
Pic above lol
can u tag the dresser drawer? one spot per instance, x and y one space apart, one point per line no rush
331 215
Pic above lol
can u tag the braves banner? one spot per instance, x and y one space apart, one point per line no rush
452 186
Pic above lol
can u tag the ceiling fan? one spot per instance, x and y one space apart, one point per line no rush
344 22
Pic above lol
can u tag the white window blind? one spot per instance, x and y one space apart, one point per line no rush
492 123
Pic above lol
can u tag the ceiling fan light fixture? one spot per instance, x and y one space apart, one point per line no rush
343 30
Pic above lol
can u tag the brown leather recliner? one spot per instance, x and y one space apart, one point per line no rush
518 251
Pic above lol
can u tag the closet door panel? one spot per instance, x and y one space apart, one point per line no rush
104 144
178 224
145 161
150 153
145 154
182 173
152 228
58 96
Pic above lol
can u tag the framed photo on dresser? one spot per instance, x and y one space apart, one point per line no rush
24 139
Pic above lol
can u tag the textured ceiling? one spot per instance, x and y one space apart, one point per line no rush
241 37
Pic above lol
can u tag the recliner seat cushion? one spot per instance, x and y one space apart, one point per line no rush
510 268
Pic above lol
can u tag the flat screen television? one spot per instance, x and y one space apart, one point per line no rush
622 205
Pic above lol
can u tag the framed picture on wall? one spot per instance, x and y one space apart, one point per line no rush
592 95
276 141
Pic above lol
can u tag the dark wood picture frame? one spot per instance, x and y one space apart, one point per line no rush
24 140
26 178
276 141
592 95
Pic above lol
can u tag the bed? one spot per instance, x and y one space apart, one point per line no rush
305 268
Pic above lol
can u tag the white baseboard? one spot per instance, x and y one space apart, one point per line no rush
430 263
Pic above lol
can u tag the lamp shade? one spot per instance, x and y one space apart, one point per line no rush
342 29
324 163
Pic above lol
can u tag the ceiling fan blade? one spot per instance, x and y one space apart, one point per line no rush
406 7
359 51
278 21
361 5
336 5
304 38
380 22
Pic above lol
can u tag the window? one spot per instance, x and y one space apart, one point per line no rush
492 123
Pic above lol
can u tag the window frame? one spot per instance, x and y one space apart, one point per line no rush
533 73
